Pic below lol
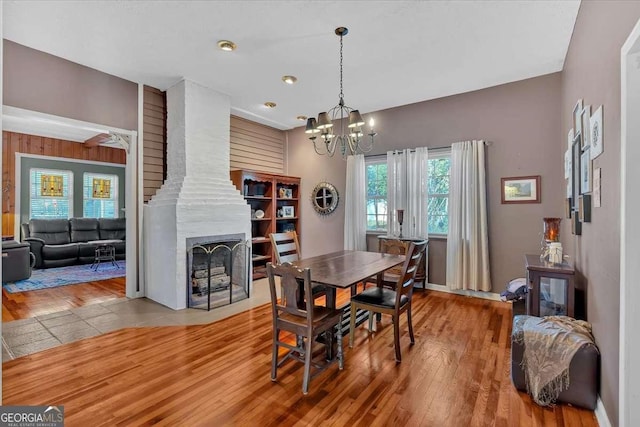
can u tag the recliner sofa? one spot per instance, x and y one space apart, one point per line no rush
62 242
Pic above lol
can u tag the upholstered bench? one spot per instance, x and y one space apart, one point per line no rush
583 370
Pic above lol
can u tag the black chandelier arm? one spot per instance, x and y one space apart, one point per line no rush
328 148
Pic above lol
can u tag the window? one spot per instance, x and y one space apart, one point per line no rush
100 195
438 187
50 193
376 170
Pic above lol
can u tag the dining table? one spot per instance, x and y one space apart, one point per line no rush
344 270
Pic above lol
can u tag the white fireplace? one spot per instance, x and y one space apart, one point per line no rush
197 198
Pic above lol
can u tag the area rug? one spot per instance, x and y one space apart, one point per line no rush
53 277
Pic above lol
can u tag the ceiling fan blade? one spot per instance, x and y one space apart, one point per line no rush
97 140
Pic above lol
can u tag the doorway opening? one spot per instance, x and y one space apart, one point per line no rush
629 228
55 133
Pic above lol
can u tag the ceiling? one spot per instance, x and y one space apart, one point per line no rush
396 52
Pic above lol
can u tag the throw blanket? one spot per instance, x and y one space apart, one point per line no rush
549 345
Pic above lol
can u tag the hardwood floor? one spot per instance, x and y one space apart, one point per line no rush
457 374
23 305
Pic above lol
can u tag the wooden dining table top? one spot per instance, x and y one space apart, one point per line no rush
344 269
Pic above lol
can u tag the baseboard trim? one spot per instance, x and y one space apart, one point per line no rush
477 294
601 414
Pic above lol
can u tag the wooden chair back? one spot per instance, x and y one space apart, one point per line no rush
286 246
404 286
395 247
290 286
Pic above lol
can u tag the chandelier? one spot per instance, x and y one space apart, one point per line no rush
349 139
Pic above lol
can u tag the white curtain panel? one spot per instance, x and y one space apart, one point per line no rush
407 189
467 241
396 187
415 214
355 211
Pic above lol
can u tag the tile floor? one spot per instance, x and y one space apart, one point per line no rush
26 336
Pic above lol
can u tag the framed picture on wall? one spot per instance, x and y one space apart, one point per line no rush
575 174
521 189
597 133
596 187
585 118
577 117
585 172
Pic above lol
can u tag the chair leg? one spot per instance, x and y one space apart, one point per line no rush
409 321
352 325
396 337
274 357
371 323
340 352
307 365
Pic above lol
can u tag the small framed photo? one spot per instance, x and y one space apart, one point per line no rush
584 208
575 174
567 164
577 117
521 189
596 187
288 212
597 133
585 117
288 194
570 139
585 172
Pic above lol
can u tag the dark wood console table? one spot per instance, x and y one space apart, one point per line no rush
551 287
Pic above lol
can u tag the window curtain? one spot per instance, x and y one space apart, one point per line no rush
407 189
467 241
355 211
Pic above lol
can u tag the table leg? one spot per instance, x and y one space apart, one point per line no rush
331 303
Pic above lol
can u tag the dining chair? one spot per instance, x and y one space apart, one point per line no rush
287 249
393 302
306 322
390 277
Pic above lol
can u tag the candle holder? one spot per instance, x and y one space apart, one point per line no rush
551 229
551 235
400 214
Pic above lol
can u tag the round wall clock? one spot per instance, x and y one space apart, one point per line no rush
324 198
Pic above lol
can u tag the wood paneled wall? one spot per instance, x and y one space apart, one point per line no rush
256 147
154 166
13 143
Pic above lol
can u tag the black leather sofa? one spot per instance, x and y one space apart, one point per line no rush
62 242
16 261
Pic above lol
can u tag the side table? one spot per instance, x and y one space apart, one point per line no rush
104 252
551 288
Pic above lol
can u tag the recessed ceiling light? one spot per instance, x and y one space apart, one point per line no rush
226 45
289 79
270 104
302 118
